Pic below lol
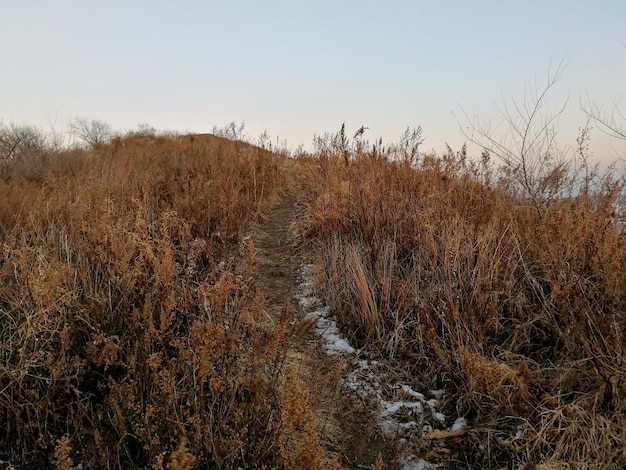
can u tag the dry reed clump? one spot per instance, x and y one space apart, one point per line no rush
516 308
298 441
181 459
62 455
580 437
361 290
128 315
504 384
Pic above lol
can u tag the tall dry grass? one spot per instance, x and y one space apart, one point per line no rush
515 307
131 332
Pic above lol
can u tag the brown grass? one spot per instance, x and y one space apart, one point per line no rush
133 334
130 328
516 308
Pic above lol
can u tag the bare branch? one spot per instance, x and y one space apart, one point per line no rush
94 133
525 138
18 141
611 123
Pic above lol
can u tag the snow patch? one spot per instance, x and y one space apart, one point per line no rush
412 463
459 425
404 413
326 328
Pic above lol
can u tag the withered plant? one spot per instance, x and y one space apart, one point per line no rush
131 332
444 265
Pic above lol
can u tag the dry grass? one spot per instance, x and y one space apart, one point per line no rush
131 331
299 444
133 334
516 309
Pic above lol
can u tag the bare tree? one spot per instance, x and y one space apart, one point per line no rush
93 132
525 140
57 137
17 141
612 123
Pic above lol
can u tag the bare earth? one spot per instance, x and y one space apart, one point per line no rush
348 427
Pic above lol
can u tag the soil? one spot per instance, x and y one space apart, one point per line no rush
347 424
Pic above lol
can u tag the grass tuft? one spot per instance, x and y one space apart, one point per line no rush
514 306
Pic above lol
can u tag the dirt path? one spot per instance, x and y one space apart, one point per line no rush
276 268
347 425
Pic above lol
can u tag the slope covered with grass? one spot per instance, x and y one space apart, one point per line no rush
515 306
138 329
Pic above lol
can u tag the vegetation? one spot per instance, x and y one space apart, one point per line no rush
133 333
511 302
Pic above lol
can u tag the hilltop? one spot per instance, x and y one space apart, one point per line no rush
197 301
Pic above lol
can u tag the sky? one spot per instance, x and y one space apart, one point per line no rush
298 68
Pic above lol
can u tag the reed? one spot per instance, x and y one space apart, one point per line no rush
130 328
518 304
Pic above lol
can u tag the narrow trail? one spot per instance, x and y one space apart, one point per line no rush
347 425
276 269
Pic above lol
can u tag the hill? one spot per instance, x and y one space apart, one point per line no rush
194 301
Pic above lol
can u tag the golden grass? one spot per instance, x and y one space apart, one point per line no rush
519 305
133 335
130 327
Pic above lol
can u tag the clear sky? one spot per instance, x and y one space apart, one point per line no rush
295 68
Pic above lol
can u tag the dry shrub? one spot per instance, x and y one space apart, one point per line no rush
181 459
299 444
499 382
128 314
515 306
62 457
